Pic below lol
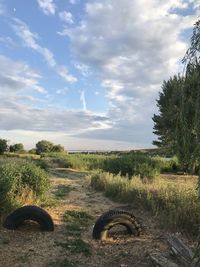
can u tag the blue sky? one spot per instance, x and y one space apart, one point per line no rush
86 74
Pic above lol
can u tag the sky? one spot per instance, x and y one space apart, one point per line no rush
86 73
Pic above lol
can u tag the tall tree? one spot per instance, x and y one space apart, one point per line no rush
165 122
188 128
177 124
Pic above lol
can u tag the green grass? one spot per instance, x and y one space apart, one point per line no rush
76 246
77 216
62 191
75 224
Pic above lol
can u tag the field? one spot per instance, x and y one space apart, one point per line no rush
80 189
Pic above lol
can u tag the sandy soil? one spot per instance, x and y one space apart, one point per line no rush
28 246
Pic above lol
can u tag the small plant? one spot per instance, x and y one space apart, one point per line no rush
77 216
62 191
76 246
76 222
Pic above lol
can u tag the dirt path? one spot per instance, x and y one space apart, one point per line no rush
28 247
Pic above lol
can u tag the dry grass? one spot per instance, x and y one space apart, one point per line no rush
174 201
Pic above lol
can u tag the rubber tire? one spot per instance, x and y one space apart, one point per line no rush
113 217
34 213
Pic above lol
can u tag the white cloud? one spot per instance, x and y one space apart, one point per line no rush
131 55
2 9
18 76
83 100
62 91
63 72
30 138
31 40
66 17
84 69
7 41
48 7
15 115
73 2
19 108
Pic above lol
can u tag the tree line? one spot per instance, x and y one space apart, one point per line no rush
42 146
177 124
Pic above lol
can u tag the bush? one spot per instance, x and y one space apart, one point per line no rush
20 181
35 178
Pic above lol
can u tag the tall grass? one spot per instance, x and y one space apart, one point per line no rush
133 164
128 164
176 204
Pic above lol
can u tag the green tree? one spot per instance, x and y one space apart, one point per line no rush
44 146
192 56
17 147
58 148
165 122
188 123
3 146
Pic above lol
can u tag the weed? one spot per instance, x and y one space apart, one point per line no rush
76 246
62 191
76 221
77 216
74 230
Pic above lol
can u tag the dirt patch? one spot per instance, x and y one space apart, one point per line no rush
30 247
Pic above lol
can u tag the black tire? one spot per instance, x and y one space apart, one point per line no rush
33 213
112 218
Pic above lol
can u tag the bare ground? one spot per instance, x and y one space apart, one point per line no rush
28 246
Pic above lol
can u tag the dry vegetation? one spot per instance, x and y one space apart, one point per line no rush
164 204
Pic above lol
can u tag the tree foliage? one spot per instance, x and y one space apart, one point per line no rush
169 108
177 124
44 146
17 147
3 146
58 148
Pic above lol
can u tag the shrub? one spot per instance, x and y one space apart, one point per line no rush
20 181
35 178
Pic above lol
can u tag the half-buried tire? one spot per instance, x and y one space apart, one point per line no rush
26 213
112 218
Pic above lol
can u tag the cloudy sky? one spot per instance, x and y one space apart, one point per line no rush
86 73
